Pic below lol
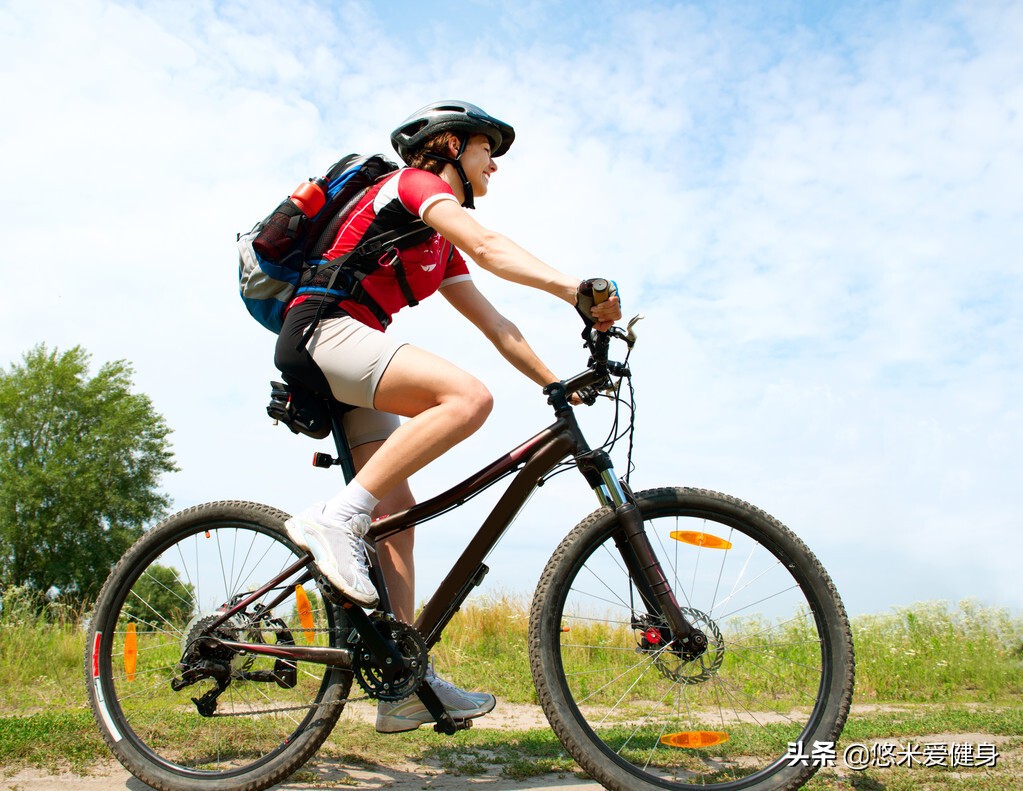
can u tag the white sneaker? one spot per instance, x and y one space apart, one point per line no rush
339 552
408 714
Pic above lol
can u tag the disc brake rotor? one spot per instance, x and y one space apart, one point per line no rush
673 666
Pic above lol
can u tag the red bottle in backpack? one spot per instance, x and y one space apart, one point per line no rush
310 196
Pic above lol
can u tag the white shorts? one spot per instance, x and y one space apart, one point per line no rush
353 358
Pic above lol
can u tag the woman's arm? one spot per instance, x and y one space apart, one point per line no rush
468 301
497 253
502 257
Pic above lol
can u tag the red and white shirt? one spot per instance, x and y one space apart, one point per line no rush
387 205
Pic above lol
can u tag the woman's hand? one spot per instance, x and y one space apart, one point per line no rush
606 313
597 301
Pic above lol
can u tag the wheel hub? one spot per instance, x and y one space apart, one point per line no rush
674 661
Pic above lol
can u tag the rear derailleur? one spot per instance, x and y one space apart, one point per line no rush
205 657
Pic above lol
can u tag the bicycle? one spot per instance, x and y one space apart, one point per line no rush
678 638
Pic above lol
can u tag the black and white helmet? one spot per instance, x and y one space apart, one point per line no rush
450 116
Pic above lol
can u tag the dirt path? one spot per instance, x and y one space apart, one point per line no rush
330 773
110 777
326 773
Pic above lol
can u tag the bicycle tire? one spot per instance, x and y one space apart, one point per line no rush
148 612
632 712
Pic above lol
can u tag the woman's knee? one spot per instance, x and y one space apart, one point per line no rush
475 402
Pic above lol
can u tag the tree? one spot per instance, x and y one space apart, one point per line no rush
80 461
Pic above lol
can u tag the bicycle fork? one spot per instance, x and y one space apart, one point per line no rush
638 554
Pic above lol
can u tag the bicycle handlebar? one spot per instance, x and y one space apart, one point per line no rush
599 369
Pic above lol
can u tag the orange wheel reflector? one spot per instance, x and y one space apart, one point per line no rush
694 739
305 613
131 651
698 539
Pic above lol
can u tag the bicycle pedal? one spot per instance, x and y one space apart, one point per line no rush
460 725
331 593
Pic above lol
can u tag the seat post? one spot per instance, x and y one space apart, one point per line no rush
344 452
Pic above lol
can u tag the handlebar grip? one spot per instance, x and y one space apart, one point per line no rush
592 292
601 290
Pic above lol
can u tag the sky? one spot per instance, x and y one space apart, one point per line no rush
816 206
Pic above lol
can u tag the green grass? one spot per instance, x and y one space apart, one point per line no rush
936 652
930 669
50 739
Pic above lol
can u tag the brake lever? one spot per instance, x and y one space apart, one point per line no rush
630 334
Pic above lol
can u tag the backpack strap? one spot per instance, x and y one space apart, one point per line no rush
366 258
359 293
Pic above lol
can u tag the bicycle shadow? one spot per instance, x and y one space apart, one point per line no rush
319 774
329 775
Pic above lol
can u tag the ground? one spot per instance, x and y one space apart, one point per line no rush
108 775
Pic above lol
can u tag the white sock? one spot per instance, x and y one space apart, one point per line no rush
353 499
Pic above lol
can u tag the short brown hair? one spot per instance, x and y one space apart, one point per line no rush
435 145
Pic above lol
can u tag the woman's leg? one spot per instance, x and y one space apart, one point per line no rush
444 405
395 553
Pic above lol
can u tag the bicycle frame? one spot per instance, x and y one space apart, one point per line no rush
532 460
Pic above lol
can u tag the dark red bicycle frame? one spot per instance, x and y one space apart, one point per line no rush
532 460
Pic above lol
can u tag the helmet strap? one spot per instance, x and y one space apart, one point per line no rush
457 162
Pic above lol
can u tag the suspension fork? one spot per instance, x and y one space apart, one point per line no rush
632 542
637 552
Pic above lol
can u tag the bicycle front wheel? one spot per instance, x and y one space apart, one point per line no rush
181 715
776 679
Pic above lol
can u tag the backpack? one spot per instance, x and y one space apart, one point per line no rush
285 250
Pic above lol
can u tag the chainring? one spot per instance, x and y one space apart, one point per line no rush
384 683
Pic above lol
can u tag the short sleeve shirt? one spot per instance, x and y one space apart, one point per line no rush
429 266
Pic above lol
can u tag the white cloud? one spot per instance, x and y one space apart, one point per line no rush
818 209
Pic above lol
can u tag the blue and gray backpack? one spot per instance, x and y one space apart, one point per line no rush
284 251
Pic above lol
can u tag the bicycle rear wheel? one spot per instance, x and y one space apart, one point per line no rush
632 711
220 719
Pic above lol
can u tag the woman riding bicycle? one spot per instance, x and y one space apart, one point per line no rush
449 148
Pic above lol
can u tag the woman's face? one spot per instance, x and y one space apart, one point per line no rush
478 164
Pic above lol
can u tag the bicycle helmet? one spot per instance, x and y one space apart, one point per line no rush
451 116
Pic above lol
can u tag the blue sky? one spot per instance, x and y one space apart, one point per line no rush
817 206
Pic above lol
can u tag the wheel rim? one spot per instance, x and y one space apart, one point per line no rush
727 718
158 613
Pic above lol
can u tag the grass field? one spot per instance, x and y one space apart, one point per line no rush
928 673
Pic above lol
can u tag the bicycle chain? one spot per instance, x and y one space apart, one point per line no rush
343 702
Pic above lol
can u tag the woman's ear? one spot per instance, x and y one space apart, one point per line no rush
453 145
